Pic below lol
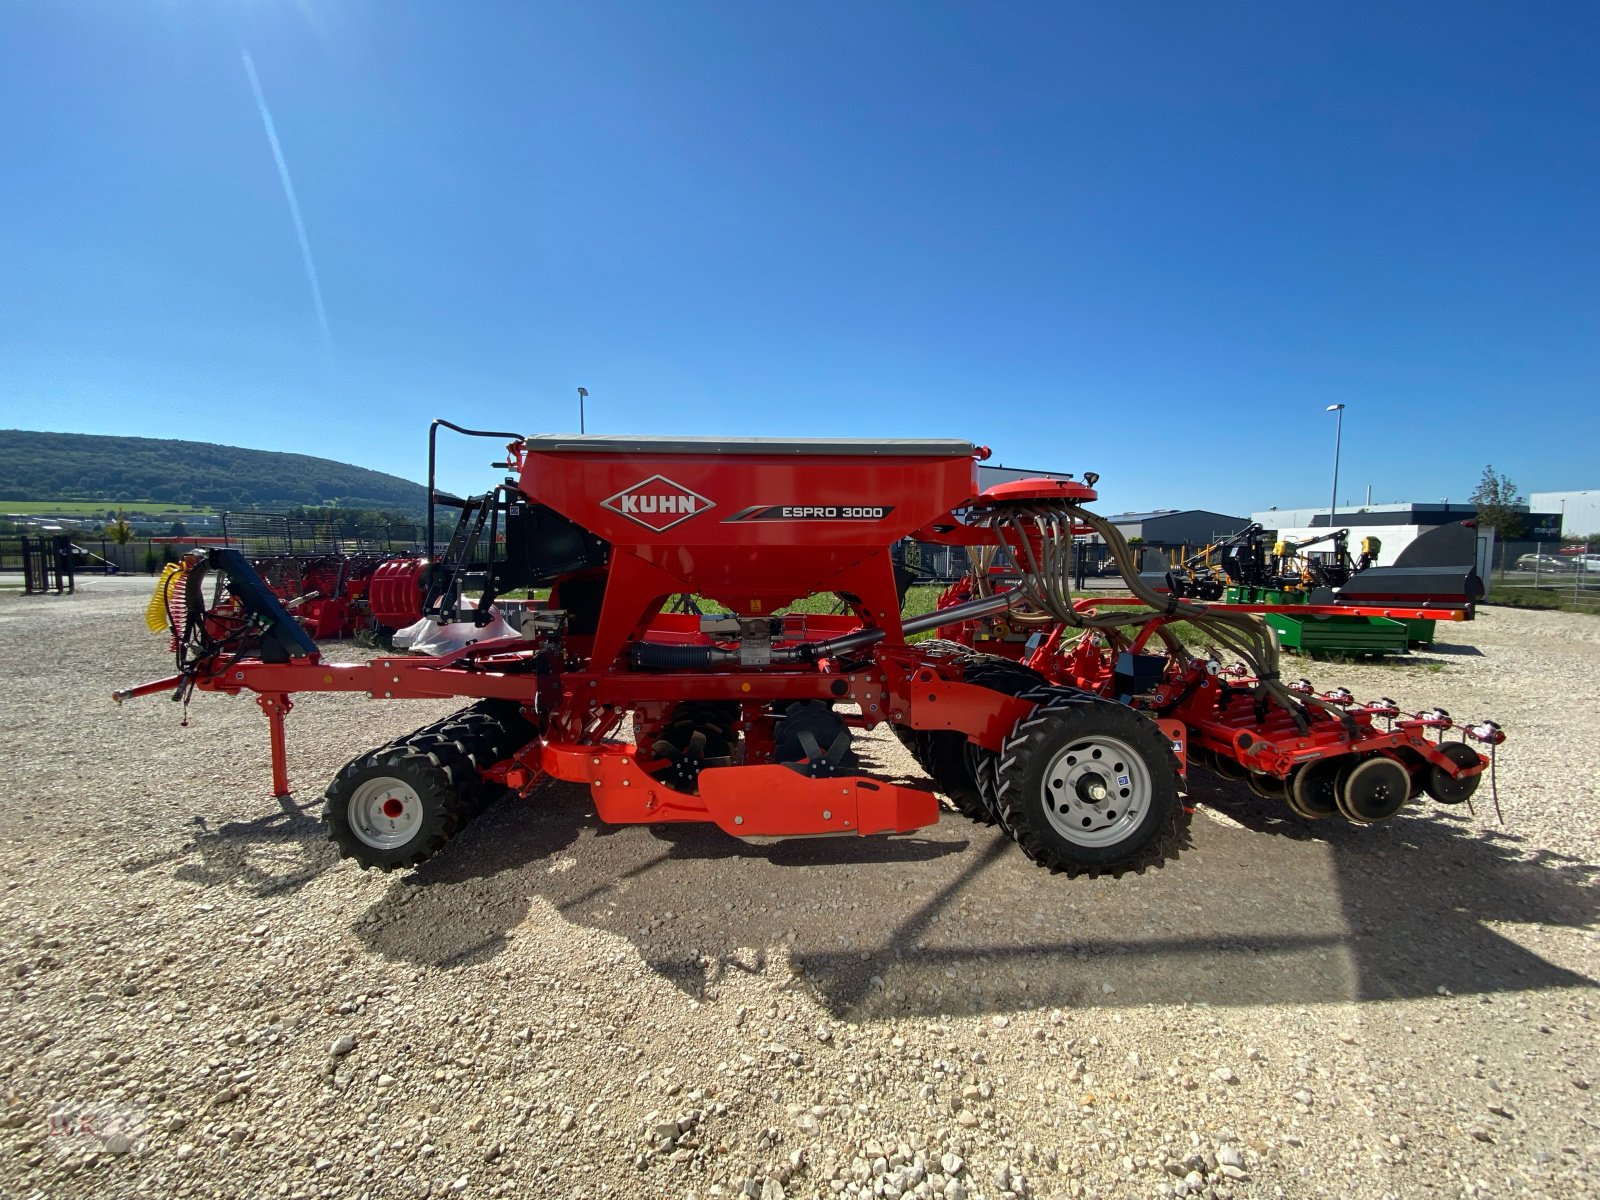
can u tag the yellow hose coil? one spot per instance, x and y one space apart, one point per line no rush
155 613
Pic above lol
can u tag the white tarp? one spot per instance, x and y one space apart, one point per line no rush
427 636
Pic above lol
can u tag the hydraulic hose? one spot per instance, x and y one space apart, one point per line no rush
1037 538
967 610
654 656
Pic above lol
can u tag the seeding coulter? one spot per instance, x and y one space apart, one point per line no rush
1070 722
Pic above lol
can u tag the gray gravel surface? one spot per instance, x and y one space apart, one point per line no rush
555 1008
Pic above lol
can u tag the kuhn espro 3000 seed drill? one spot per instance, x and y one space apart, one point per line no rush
1069 722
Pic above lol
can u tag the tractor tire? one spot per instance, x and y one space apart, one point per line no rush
1090 787
395 807
487 732
1001 674
1009 678
947 763
944 646
982 764
942 756
907 737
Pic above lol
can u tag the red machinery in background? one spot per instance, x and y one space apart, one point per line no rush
337 580
1075 741
394 592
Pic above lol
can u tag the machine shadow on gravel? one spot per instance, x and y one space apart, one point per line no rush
460 907
277 852
954 920
1419 893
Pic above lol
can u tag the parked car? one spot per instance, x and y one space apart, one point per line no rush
1589 563
1545 562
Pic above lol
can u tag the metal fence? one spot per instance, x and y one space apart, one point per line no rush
90 556
1544 576
276 533
94 556
255 533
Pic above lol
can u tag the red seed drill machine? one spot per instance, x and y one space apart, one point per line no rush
1069 722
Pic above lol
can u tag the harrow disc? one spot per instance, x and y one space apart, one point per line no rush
1314 794
1451 789
1229 768
1373 790
1268 787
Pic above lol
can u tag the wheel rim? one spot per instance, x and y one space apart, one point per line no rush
385 813
1096 790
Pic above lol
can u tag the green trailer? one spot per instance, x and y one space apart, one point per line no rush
1340 635
1317 635
1419 632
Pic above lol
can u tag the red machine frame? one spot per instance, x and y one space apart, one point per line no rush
757 526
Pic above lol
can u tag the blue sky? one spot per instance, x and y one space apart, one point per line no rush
1151 240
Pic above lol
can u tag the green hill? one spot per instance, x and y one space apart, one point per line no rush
83 466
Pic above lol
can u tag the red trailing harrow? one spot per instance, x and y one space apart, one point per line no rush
1070 722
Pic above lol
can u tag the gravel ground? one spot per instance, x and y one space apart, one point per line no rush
554 1008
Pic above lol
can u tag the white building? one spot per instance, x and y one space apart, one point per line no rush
1580 511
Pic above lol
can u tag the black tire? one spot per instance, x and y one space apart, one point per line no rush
1069 764
430 808
488 732
944 646
907 737
455 757
982 765
947 762
1009 678
1001 674
1450 789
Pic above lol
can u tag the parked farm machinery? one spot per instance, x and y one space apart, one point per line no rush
1070 722
336 581
1436 570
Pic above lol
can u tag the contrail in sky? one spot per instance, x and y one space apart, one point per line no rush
288 194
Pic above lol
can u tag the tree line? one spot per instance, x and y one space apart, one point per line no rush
126 470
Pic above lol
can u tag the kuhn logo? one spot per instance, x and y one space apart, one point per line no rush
657 503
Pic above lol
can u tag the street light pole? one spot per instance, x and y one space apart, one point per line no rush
1338 435
582 395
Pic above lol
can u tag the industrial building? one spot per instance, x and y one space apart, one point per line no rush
1579 511
1176 527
